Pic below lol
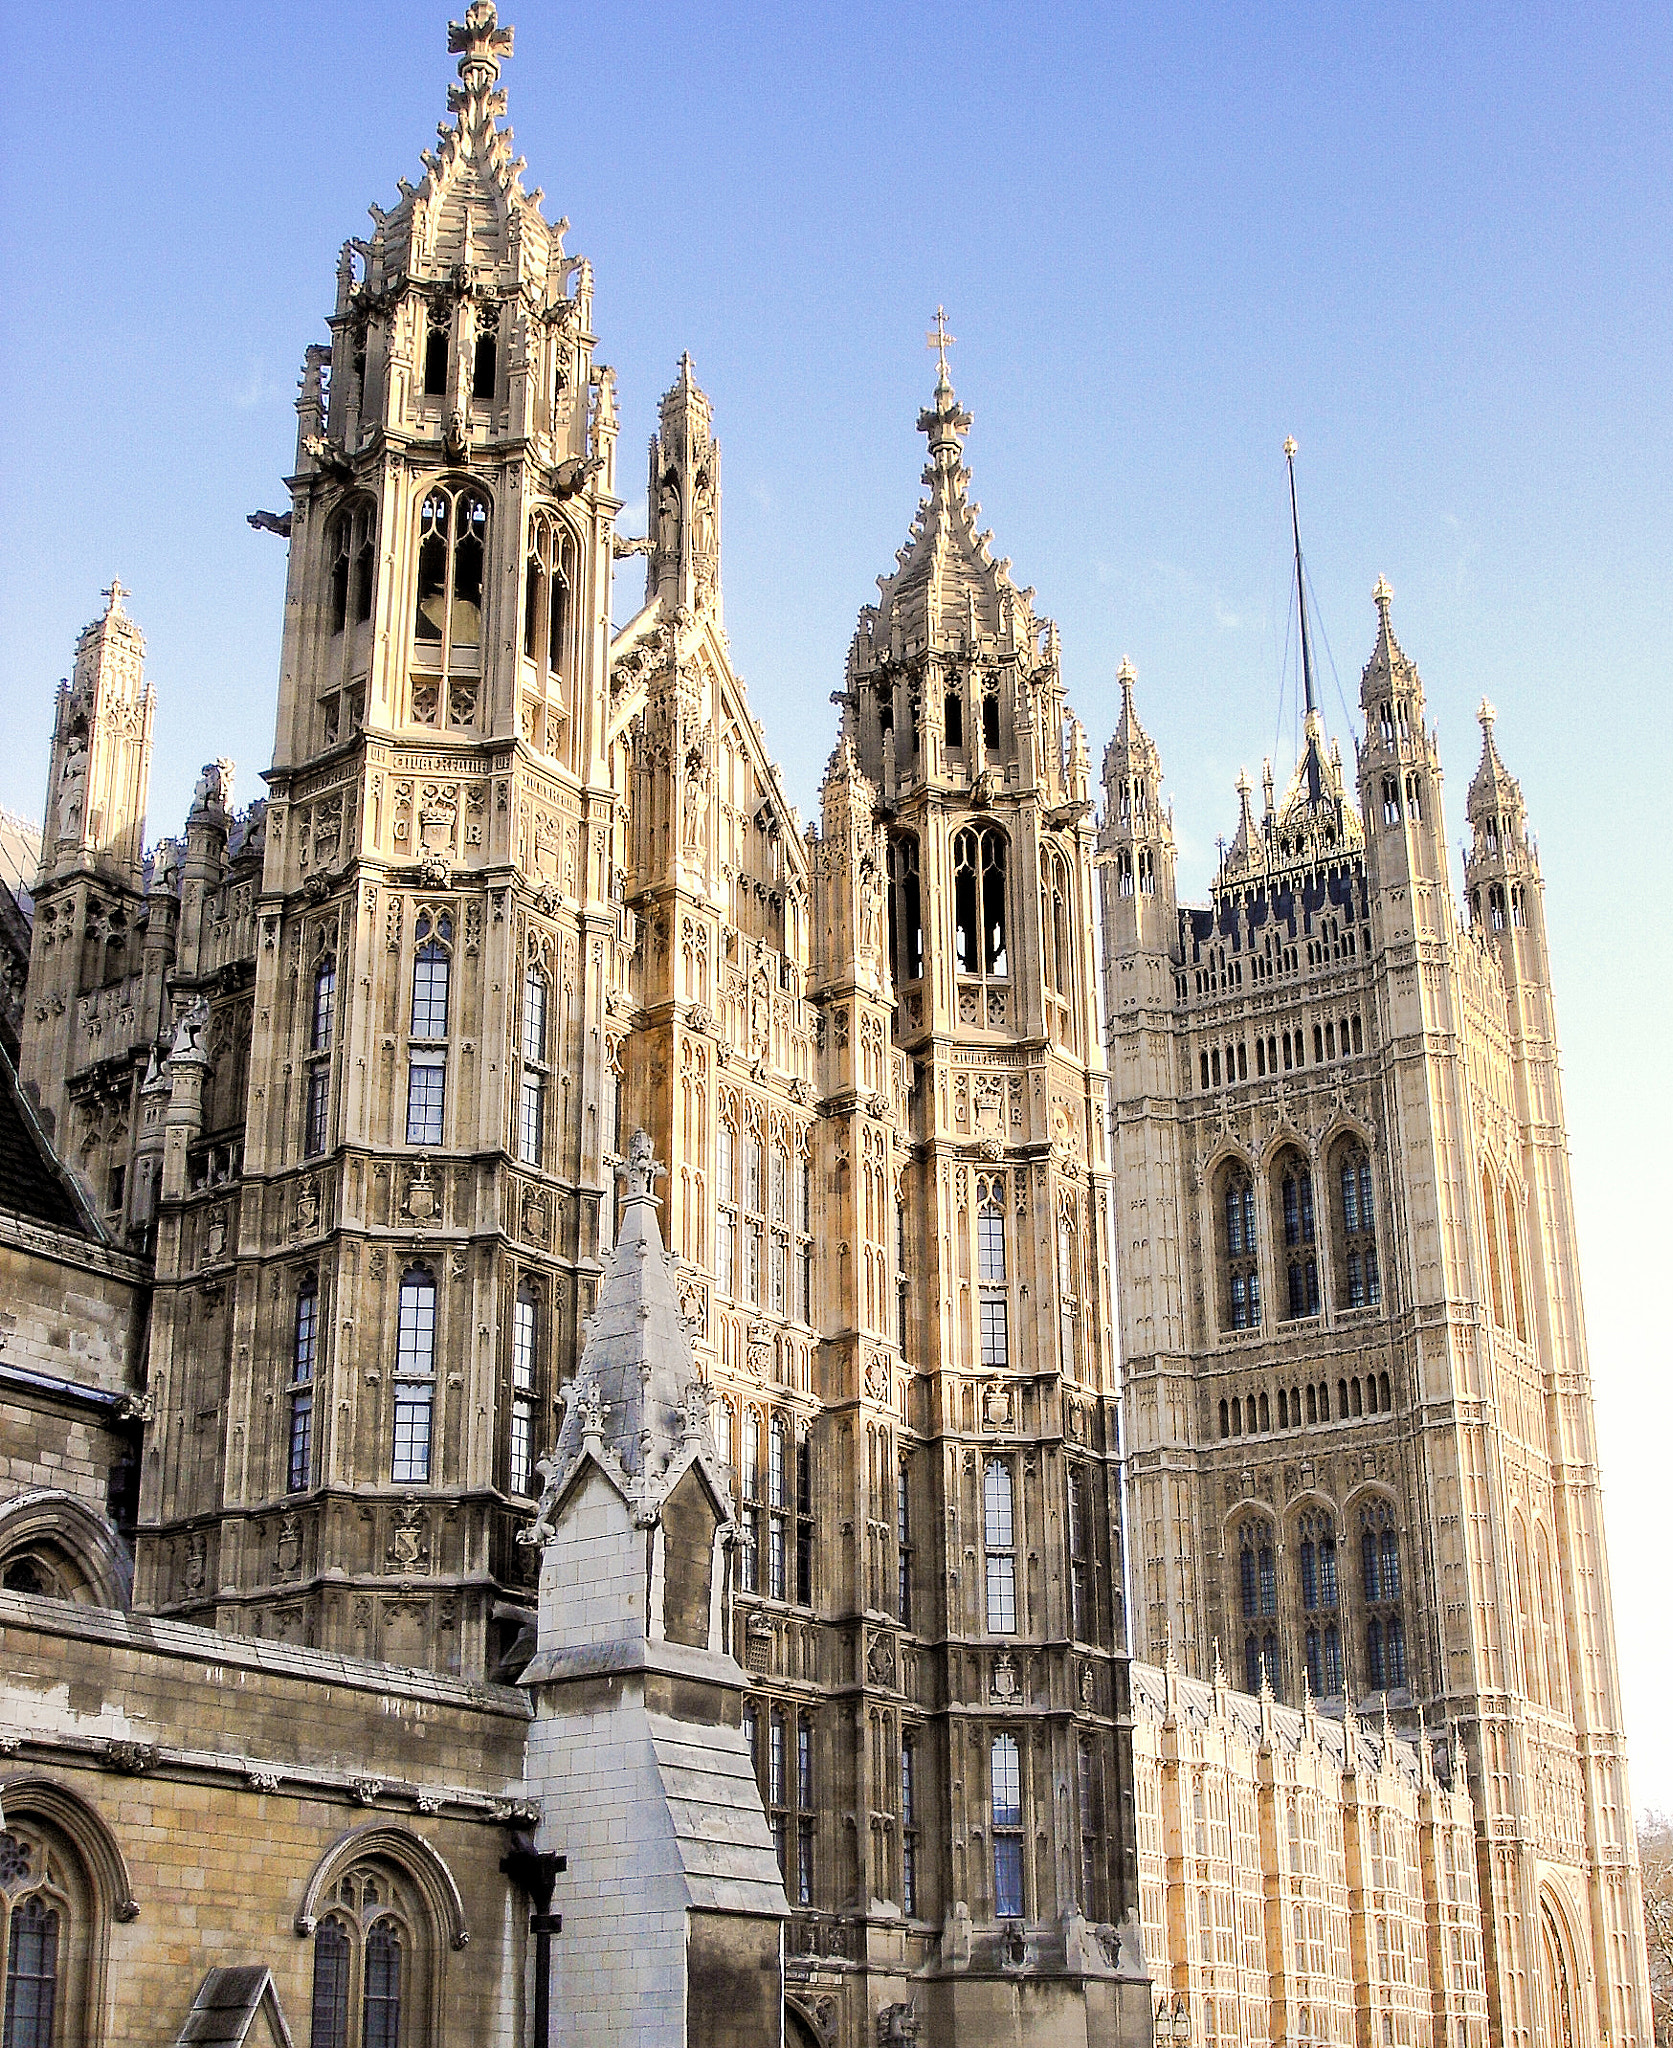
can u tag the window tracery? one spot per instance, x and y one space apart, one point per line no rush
1240 1290
447 616
1296 1233
979 909
371 1958
1380 1588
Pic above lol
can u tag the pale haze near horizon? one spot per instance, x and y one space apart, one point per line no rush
1434 249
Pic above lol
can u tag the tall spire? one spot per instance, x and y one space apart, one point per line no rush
1300 584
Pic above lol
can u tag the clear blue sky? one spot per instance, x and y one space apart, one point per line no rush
1433 245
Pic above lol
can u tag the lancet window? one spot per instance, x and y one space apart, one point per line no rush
1240 1283
1296 1233
549 626
1358 1276
906 912
317 1107
1056 929
304 1359
1380 1590
486 354
979 909
1320 1599
447 618
536 1051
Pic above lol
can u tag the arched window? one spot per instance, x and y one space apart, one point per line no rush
447 615
549 620
1319 1586
778 1506
1257 1569
525 1358
373 1956
1358 1276
952 715
435 353
1380 1588
1056 926
1240 1287
750 1477
415 1377
299 1463
1513 1259
53 1929
1006 1772
427 1068
325 999
485 363
726 1210
317 1111
531 1096
432 970
1522 1589
352 557
906 914
979 903
1295 1230
990 714
999 1540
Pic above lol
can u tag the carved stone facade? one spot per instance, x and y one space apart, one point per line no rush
350 1076
1358 1408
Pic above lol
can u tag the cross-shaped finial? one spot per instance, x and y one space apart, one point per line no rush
939 339
114 595
479 43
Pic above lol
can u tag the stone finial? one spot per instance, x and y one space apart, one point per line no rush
479 43
1486 713
644 1169
113 597
1382 596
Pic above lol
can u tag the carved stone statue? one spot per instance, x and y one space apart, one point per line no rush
668 521
72 787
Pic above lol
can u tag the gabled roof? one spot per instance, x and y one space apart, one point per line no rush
231 2000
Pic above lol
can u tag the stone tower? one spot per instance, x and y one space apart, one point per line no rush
87 982
1358 1413
360 1321
983 1396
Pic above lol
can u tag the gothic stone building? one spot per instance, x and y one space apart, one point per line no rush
1357 1402
752 1535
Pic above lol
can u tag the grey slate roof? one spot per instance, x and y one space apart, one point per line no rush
229 2001
719 1825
